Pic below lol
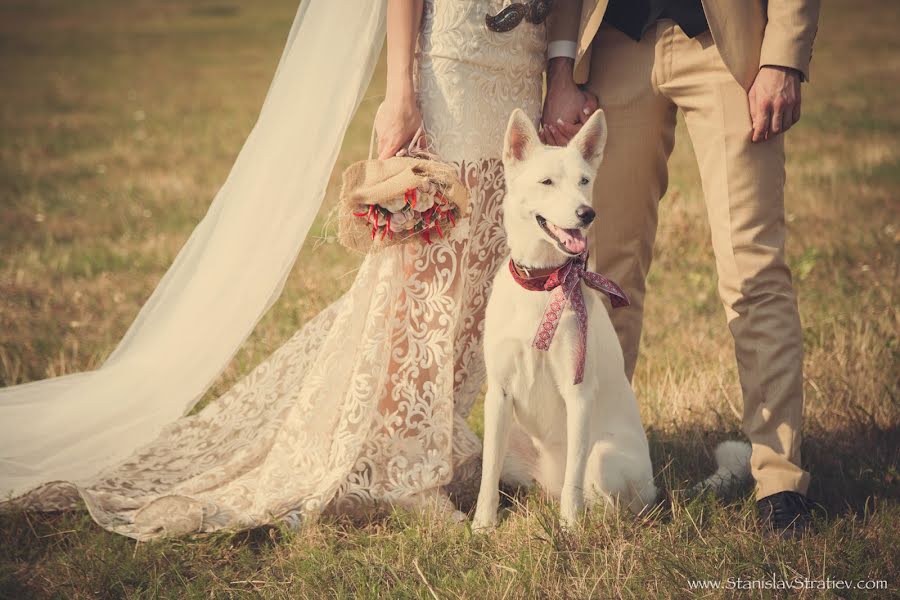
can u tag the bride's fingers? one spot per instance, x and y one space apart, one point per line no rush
591 104
421 140
553 137
388 150
568 130
391 146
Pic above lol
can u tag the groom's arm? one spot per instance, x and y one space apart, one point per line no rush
566 106
562 29
789 34
784 62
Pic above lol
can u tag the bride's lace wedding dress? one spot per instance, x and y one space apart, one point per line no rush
367 403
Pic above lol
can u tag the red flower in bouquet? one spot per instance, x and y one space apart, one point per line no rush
419 211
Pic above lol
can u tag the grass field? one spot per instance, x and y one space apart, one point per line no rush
118 121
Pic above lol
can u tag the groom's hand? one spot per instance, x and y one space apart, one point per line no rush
567 107
774 101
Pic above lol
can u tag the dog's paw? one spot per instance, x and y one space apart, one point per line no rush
570 516
483 524
571 509
570 522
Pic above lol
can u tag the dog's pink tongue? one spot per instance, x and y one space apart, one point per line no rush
575 242
572 239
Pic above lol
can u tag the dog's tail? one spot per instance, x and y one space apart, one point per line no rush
524 467
733 469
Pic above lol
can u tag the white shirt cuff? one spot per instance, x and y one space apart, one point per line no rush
562 48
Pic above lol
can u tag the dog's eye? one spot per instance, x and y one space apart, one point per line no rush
584 181
547 181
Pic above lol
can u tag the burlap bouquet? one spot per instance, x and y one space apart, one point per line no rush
397 200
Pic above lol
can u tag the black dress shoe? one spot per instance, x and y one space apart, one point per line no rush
786 513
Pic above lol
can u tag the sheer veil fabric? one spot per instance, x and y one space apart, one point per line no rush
366 404
226 276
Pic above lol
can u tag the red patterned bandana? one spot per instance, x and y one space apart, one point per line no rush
562 283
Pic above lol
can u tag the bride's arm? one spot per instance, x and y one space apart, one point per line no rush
398 117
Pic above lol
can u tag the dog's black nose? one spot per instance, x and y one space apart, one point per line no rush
586 214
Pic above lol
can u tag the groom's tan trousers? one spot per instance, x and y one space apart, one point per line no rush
641 85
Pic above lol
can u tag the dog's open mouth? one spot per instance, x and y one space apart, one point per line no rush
570 241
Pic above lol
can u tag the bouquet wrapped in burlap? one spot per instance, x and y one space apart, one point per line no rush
397 200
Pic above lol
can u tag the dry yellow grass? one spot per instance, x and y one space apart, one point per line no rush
120 120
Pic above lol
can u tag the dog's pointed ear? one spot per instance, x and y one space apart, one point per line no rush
591 139
521 137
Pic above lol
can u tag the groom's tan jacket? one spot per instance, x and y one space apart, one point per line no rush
748 33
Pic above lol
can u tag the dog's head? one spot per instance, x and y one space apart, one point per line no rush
547 209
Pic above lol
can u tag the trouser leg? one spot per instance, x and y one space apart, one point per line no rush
743 186
633 175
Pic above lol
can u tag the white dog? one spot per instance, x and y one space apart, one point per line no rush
553 359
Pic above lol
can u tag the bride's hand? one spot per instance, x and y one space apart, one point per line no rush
396 123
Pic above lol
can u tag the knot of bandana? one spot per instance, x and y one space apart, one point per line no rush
563 285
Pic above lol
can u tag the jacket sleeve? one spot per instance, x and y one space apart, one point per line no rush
789 34
564 21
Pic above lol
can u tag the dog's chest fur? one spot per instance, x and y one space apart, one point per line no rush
533 377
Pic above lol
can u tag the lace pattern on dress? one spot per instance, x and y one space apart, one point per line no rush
367 403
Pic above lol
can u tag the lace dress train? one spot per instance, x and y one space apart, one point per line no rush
367 403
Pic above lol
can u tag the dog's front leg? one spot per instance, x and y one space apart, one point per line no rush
578 448
497 417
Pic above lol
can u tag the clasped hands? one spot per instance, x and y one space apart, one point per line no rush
774 100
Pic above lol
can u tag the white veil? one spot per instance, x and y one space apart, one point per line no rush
227 275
